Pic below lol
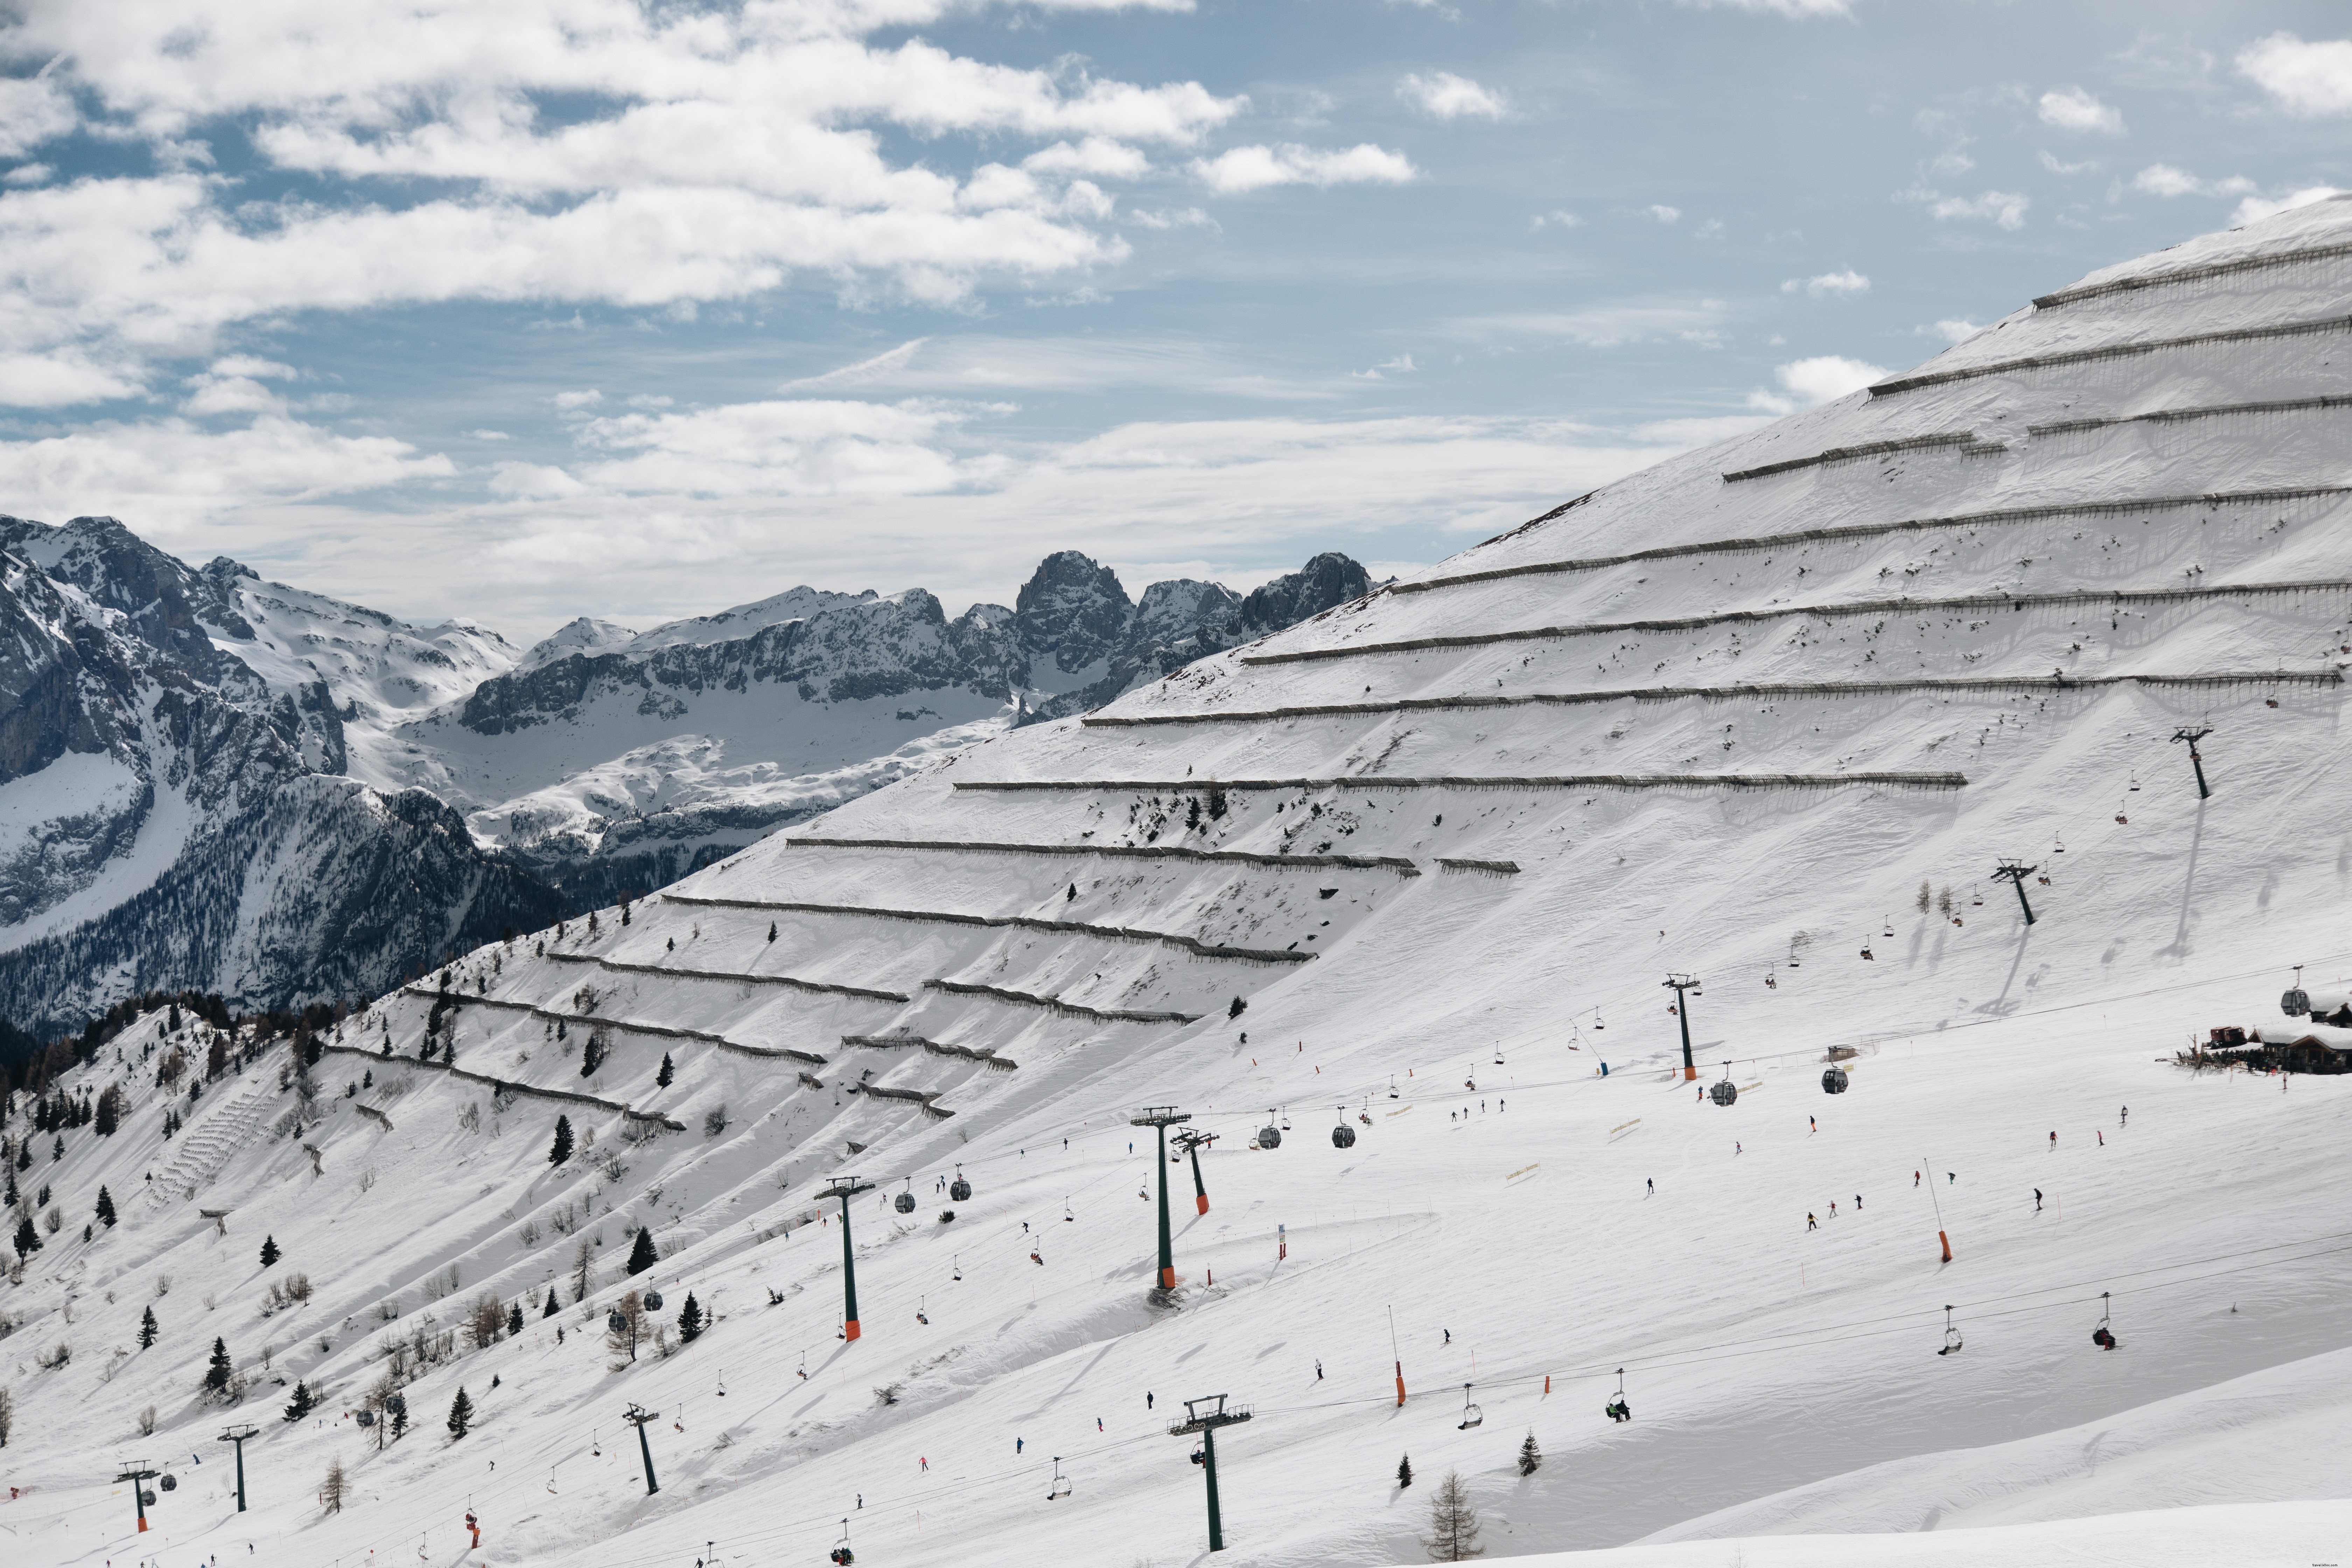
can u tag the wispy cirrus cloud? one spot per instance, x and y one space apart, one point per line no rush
1241 170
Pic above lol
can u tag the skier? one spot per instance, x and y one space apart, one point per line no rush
1951 1178
1857 1200
1812 1224
1812 1125
1654 1187
1098 1425
1318 1369
2126 1117
1833 1208
2053 1140
1146 1399
1449 1336
2103 1140
1735 1147
1915 1178
2037 1200
2102 1338
925 1464
1017 1443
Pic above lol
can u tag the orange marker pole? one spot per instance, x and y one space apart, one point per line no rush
1399 1357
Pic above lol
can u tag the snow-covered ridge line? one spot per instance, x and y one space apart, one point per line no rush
2112 351
1069 1009
2178 415
1399 864
1855 607
1192 945
508 1086
1867 529
2076 296
659 1031
1855 454
824 987
1713 693
1491 781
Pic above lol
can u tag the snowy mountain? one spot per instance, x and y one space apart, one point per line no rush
190 820
1423 863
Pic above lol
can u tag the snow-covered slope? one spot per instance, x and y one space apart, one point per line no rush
1418 867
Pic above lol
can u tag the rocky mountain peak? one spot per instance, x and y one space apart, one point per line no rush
1074 611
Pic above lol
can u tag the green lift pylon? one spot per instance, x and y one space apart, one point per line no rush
1205 1423
2016 875
138 1475
1683 986
237 1435
1163 1117
637 1417
2192 733
845 1188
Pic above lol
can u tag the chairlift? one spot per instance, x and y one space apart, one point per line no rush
804 1367
1834 1080
1725 1092
1343 1136
2123 819
1066 1215
1617 1409
1200 1457
1598 1021
2058 845
959 1190
955 1262
1867 957
1269 1136
1471 1414
1770 983
841 1553
722 1383
1499 1053
920 1315
2135 782
1392 1087
617 1323
1285 1120
1061 1488
905 1202
2103 1336
1952 1334
2297 1003
168 1481
1890 925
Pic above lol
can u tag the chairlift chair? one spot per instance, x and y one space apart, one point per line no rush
1725 1092
1617 1409
1061 1488
1598 1021
920 1316
1269 1136
1471 1414
841 1553
905 1202
959 1190
1951 1335
1867 957
1285 1120
1066 1215
2103 1336
1834 1080
2297 1001
1499 1053
955 1260
1343 1136
1392 1087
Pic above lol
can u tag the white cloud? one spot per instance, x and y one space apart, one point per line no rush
1953 330
1555 219
706 155
2050 161
1847 283
1796 10
27 174
2306 79
1403 364
2005 209
2253 209
2073 109
780 448
568 401
490 434
1607 326
533 481
1807 382
2164 180
1445 96
1243 169
1664 214
60 380
1172 217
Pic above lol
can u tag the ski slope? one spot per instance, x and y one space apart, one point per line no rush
1444 847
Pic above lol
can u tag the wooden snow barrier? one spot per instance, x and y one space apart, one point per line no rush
2182 415
1855 453
1402 865
1192 945
915 1096
626 1025
1055 1004
505 1086
1998 515
984 1056
1493 868
1552 781
2081 291
1735 693
821 987
372 1114
1902 383
1960 605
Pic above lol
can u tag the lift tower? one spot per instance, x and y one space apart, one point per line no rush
237 1435
1190 1142
845 1188
638 1416
1683 985
2192 735
2016 874
1163 1117
139 1475
1205 1422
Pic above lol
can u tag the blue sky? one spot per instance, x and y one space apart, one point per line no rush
555 307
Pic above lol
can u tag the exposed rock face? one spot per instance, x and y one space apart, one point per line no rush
222 782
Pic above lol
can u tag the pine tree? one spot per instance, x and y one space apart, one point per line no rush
551 1303
270 1253
643 1257
147 1328
27 1239
514 1318
1453 1522
216 1368
105 1208
1926 896
461 1414
1404 1472
662 1078
562 1149
303 1401
395 1411
1531 1456
330 1491
689 1319
771 930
